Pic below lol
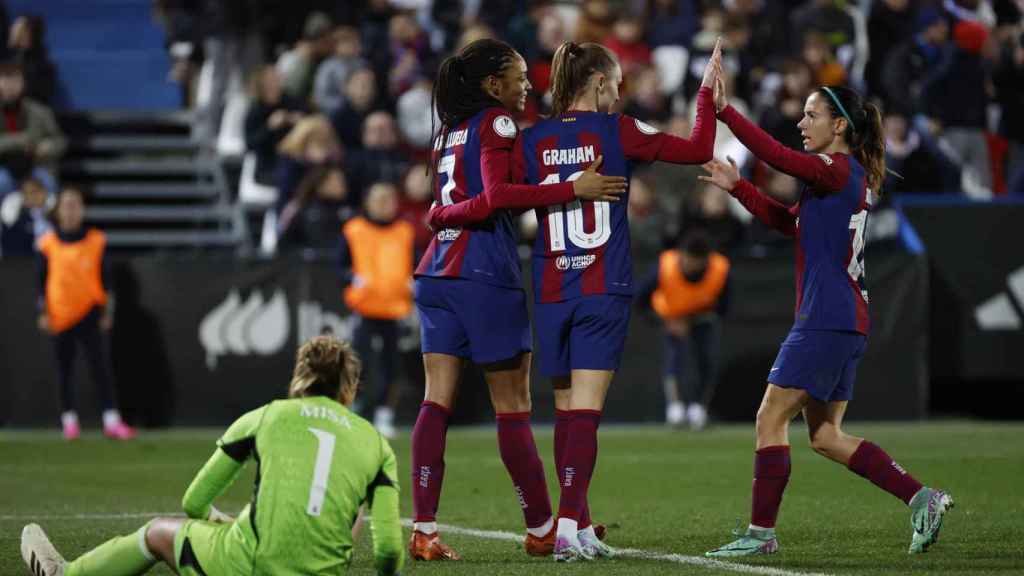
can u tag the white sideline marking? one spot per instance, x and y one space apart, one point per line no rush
485 534
635 553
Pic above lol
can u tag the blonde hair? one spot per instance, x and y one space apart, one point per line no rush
571 68
308 129
326 366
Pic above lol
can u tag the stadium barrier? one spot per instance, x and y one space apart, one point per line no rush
199 340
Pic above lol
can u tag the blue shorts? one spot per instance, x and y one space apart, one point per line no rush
822 362
475 320
586 333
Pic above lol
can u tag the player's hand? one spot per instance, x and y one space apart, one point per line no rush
723 175
43 323
592 185
721 100
713 69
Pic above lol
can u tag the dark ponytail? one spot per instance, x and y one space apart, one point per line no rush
458 91
571 68
863 130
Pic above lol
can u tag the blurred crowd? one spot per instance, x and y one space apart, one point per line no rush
318 100
339 93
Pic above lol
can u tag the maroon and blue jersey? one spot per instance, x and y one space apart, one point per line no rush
828 223
485 252
583 247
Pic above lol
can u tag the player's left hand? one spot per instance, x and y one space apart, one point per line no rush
723 175
713 69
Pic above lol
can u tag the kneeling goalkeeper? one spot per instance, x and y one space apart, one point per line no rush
317 462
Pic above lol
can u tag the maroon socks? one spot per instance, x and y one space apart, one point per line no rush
428 440
519 453
579 455
771 474
873 463
562 418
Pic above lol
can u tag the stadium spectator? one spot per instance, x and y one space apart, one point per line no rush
687 289
709 210
27 45
671 22
889 23
379 160
1008 78
416 116
298 65
911 68
769 26
781 119
313 432
333 73
628 43
922 164
311 219
595 20
826 18
375 267
819 55
360 100
31 142
76 309
415 204
959 102
310 144
646 218
646 101
271 115
551 33
410 49
23 219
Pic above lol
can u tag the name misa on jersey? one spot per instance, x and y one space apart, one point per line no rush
324 413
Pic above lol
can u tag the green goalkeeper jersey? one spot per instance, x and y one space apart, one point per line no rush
317 462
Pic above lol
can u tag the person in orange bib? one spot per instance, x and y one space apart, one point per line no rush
688 290
76 309
376 263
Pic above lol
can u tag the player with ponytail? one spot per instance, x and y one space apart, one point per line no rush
468 290
816 367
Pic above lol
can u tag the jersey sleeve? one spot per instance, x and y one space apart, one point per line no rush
233 450
498 170
644 143
387 530
766 209
823 172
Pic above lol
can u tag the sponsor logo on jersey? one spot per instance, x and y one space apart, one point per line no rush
826 159
504 127
448 234
998 313
645 127
579 262
577 155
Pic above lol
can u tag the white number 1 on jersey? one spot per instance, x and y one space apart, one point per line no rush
577 235
321 471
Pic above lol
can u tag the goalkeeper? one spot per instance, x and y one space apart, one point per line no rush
317 462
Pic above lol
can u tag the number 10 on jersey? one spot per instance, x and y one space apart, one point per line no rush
574 221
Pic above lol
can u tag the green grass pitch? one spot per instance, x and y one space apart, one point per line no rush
659 491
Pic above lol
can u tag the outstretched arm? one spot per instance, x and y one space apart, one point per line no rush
643 143
823 172
767 210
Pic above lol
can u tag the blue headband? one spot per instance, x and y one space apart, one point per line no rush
840 105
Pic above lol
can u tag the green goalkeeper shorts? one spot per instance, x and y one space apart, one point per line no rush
204 548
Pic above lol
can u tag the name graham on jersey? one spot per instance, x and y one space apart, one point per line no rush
324 413
577 155
454 139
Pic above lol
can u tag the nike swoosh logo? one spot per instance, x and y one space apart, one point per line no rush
773 370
